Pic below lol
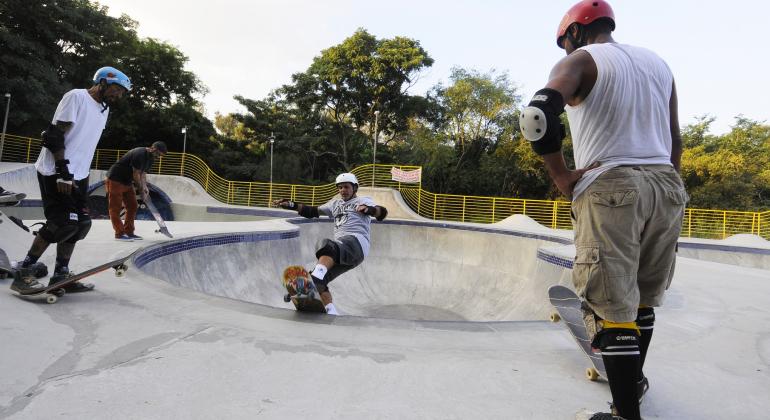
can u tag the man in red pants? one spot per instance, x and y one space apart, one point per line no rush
127 175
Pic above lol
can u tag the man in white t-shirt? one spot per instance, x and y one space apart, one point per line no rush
352 217
63 167
627 197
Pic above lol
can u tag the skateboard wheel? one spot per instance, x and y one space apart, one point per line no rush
592 374
50 299
286 298
555 317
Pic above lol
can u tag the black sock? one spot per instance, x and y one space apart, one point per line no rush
620 353
62 265
645 319
29 260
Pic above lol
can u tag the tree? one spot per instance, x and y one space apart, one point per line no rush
348 82
49 47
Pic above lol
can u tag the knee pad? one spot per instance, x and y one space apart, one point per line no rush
645 318
615 341
83 227
54 233
330 249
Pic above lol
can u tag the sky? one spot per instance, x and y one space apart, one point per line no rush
250 47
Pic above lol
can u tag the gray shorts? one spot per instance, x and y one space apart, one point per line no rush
350 255
627 224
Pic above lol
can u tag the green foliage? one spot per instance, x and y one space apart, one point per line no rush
50 47
728 171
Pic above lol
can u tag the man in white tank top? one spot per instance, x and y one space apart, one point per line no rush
628 199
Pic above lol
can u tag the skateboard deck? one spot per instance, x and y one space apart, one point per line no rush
53 292
156 215
567 305
301 290
11 199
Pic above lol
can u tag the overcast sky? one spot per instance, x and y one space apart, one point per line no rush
717 50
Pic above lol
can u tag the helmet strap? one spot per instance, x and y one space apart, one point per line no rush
102 89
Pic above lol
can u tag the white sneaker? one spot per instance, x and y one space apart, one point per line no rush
331 310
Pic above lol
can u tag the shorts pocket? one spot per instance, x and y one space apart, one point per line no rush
614 198
679 196
589 275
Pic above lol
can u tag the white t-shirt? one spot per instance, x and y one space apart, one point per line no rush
347 221
88 119
625 118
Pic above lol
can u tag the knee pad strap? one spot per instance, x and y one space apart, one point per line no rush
615 341
54 233
645 318
329 249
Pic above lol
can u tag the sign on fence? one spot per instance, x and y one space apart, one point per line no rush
412 177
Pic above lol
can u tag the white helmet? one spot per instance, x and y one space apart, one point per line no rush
346 177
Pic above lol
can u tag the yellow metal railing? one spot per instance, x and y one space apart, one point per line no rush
700 223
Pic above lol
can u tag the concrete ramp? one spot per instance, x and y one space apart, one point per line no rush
415 271
14 240
20 177
391 200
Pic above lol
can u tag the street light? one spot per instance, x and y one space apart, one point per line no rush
5 123
374 155
272 140
184 150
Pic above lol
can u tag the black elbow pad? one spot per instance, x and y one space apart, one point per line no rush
308 211
540 123
53 138
383 214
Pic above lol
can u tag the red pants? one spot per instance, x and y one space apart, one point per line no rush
118 196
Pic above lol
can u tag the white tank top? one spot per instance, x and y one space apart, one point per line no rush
625 118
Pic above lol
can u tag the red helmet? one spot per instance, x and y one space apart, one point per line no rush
584 13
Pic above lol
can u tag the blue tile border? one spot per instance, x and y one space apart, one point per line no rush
725 248
154 252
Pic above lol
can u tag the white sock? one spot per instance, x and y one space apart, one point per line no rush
319 271
331 310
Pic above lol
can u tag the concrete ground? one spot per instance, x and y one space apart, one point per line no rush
142 347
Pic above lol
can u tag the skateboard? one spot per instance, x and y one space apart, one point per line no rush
301 290
53 292
567 305
156 215
11 198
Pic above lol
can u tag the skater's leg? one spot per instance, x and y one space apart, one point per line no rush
619 344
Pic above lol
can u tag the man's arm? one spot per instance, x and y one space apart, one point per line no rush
378 212
53 140
676 137
302 209
573 78
140 180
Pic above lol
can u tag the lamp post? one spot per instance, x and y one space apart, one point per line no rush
5 123
374 154
184 150
272 140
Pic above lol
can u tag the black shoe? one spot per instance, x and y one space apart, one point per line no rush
74 287
38 269
642 387
605 416
25 282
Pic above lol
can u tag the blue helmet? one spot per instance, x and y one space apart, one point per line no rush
112 75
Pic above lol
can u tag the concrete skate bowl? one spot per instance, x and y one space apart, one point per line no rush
418 271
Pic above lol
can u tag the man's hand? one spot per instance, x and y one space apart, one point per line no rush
565 181
64 178
285 203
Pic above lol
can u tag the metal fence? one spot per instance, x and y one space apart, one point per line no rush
698 223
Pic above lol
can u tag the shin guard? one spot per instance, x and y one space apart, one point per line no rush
620 353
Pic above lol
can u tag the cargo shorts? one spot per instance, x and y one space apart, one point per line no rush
627 223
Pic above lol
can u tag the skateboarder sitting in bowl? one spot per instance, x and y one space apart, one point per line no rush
350 245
